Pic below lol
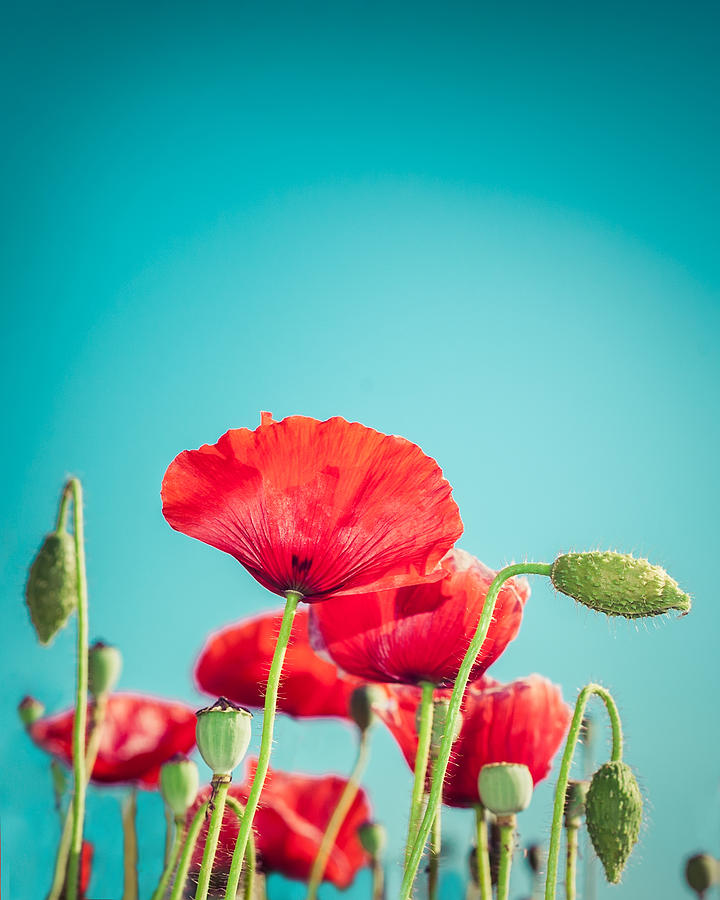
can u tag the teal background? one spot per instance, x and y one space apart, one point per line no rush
489 228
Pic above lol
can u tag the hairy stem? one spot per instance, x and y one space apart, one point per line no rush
507 847
250 859
571 862
171 859
211 841
187 852
434 861
422 755
483 854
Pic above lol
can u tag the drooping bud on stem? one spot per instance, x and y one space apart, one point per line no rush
575 796
702 871
361 705
223 733
613 813
30 710
51 589
179 783
617 584
104 665
373 838
505 788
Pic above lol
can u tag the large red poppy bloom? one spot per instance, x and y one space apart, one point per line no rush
521 722
289 825
421 632
234 663
139 735
316 507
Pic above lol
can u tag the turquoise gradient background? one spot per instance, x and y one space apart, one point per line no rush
489 228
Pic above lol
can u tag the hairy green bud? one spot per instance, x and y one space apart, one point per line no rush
361 705
51 590
179 783
505 788
223 733
104 666
575 796
702 871
30 710
373 838
613 814
617 584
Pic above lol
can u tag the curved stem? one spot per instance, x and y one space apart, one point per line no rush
61 524
468 662
422 755
130 847
187 852
211 841
564 775
250 859
571 862
507 846
434 861
172 857
483 854
338 816
80 722
292 598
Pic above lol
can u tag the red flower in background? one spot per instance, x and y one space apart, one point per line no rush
139 734
521 722
420 633
86 858
289 824
316 507
235 661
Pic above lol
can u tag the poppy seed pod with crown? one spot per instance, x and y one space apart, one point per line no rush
223 733
373 838
30 710
51 590
613 813
617 584
179 784
104 666
505 788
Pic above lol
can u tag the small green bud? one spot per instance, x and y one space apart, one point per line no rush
373 838
505 788
51 590
702 871
59 778
30 710
179 784
613 813
617 584
535 857
361 705
575 803
104 665
223 733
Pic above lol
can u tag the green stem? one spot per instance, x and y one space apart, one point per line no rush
483 854
172 857
378 879
434 861
507 847
130 847
170 834
187 852
564 776
422 755
292 598
211 841
571 862
250 859
338 816
80 722
468 662
61 524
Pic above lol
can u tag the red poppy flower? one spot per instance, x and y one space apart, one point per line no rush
421 632
289 824
521 722
234 663
316 507
139 735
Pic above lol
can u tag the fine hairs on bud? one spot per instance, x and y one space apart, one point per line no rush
613 815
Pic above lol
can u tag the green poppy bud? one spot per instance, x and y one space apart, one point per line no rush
617 584
702 871
361 705
575 796
30 710
223 733
373 838
505 788
51 590
179 783
104 665
613 813
59 778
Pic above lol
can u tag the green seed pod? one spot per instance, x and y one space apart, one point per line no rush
373 838
505 788
223 733
30 710
179 783
702 871
575 796
617 584
104 665
613 813
51 590
361 705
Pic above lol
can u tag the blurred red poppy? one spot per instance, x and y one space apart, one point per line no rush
234 663
316 507
420 633
139 735
86 858
521 722
289 824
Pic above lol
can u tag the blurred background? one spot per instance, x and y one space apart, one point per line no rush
490 228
